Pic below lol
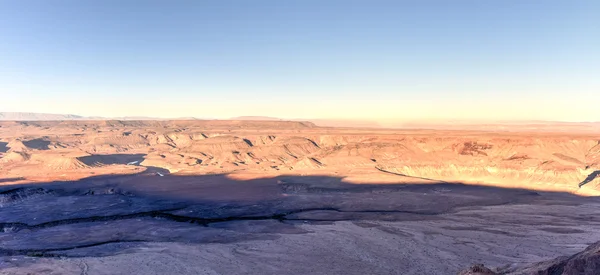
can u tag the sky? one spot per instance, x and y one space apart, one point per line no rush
375 60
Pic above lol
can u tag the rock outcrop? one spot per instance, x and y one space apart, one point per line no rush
586 262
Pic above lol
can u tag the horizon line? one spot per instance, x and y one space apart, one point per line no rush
67 117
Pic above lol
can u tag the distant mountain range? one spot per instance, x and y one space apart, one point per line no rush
22 116
36 116
319 122
530 125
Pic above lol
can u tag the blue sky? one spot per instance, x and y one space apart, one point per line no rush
376 60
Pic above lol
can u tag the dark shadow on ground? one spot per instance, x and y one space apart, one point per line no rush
5 180
590 178
38 143
93 160
106 215
3 148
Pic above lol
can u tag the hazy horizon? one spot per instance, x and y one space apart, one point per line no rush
342 122
382 61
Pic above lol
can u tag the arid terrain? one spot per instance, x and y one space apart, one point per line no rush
290 197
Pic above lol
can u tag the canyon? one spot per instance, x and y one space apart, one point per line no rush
272 197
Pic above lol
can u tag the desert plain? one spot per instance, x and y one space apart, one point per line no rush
290 197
